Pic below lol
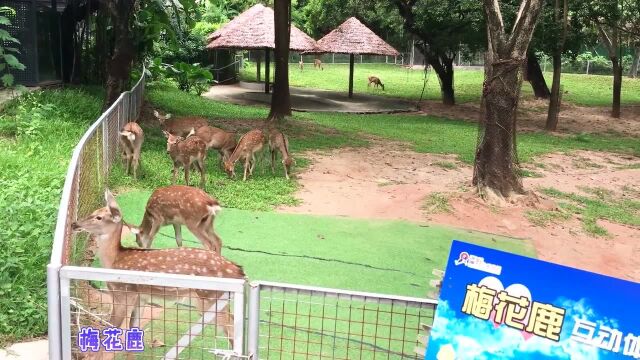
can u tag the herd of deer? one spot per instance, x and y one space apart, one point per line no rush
188 140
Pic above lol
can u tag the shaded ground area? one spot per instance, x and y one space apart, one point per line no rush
532 116
313 100
388 181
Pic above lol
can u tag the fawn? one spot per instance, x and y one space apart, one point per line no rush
218 139
105 225
181 126
375 81
317 63
131 139
178 205
185 152
249 144
279 142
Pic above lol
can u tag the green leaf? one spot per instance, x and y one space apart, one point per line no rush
13 62
4 20
7 80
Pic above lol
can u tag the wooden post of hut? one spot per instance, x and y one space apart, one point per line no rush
351 61
267 70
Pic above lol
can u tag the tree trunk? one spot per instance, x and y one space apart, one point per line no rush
536 78
443 66
554 103
281 99
119 66
633 72
617 86
496 163
351 61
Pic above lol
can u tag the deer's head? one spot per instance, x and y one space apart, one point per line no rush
172 140
103 221
142 239
161 118
288 161
229 168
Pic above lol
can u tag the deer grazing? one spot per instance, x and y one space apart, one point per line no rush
375 81
218 139
180 205
180 126
185 152
131 139
317 63
249 144
279 142
106 224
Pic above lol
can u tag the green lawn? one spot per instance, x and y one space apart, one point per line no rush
590 90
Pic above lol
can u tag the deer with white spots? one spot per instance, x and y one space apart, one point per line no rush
180 205
131 139
218 139
279 142
249 144
185 152
180 126
105 225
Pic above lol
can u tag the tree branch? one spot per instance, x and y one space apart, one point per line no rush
495 25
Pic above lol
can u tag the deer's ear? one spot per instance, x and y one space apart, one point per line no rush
114 209
166 133
167 117
156 113
193 131
134 230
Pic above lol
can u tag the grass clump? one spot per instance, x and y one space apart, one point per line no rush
544 217
598 204
37 134
437 202
447 165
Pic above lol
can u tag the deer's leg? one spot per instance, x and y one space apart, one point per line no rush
246 167
224 318
136 312
204 232
155 227
253 163
187 167
136 163
175 174
273 160
200 164
177 229
286 170
120 302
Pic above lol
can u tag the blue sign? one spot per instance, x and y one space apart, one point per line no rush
496 305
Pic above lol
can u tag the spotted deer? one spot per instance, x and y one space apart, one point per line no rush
249 144
180 205
180 126
279 142
131 139
375 81
301 64
105 225
317 63
185 152
218 139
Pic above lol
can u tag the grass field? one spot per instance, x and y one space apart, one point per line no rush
590 90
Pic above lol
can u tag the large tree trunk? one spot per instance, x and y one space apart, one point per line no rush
443 66
119 65
281 99
633 72
495 169
617 86
536 78
554 103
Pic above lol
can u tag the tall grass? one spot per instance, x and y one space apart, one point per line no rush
37 134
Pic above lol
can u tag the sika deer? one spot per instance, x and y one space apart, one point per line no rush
218 139
131 139
317 63
249 144
181 126
279 142
178 205
185 152
375 81
105 224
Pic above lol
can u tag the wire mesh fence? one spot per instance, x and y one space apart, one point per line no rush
311 323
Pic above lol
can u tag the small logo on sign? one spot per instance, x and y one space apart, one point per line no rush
477 263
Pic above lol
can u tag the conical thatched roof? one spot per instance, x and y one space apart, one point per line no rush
353 37
254 29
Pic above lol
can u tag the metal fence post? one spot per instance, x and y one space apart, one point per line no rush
53 304
253 323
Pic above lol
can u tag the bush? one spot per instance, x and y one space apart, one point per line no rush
190 77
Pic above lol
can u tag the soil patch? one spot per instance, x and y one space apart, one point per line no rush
388 181
532 115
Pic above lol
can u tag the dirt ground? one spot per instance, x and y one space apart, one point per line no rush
532 115
388 181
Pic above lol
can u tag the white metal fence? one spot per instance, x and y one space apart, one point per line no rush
277 321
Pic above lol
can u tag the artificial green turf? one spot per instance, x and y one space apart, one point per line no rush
589 90
394 257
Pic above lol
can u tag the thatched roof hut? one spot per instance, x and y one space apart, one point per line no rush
254 30
353 37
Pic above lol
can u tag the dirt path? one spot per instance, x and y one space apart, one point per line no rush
390 182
